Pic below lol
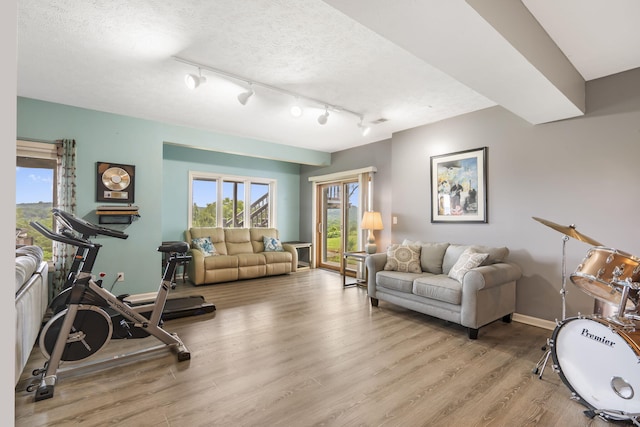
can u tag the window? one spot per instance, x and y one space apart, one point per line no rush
36 168
219 201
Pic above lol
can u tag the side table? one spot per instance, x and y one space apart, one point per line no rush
359 256
303 245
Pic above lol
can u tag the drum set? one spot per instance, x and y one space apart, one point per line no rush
597 356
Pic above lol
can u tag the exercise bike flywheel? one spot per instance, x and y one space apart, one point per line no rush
90 332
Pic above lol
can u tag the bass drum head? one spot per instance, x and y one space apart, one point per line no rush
597 364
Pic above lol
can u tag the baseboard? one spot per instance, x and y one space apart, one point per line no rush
534 321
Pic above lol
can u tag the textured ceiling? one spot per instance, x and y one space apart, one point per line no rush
118 56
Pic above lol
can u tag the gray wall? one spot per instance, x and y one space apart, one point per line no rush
580 171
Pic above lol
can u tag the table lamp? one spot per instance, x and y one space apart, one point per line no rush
371 221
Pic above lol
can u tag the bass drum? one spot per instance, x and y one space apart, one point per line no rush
598 361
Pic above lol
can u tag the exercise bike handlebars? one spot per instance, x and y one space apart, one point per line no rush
74 241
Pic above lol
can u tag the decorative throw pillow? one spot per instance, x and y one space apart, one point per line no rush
404 258
271 244
468 259
205 245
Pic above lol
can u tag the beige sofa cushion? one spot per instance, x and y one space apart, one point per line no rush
216 234
238 241
220 262
257 236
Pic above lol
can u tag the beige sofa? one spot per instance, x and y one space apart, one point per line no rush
422 281
239 254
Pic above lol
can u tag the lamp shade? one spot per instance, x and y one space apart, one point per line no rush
371 221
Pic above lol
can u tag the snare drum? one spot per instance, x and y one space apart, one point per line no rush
599 271
598 361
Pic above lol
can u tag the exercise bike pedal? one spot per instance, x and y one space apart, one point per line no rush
38 371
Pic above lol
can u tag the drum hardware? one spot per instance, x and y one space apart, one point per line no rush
567 231
609 415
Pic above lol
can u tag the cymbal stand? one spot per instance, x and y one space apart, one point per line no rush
542 363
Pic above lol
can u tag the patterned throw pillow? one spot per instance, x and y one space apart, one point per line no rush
271 244
404 258
468 259
204 245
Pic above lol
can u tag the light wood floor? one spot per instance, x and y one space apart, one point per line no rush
301 350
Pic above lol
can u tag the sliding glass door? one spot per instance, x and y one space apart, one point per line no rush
337 221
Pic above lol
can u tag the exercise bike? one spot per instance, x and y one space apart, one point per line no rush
85 326
175 307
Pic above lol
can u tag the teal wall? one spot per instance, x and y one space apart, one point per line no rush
179 161
158 192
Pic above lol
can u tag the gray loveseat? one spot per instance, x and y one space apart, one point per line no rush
442 280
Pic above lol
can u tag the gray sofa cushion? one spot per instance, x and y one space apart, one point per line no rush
405 258
468 260
454 251
495 254
431 256
439 287
451 256
397 280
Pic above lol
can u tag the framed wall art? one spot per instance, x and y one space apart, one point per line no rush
115 182
459 186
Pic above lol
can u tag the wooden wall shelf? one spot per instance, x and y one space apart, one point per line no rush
116 214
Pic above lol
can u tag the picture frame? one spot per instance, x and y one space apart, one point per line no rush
115 182
459 187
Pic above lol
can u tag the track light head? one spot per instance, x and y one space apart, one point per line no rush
296 110
243 98
192 81
364 129
322 118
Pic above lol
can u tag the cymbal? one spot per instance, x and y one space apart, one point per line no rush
569 230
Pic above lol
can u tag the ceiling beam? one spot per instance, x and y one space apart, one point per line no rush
496 48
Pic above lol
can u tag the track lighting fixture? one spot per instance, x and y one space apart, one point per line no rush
192 81
322 118
244 96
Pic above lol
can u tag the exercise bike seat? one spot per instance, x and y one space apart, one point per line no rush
168 247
